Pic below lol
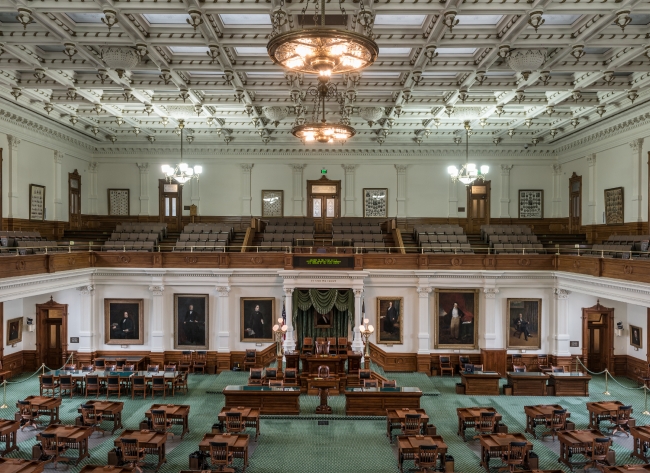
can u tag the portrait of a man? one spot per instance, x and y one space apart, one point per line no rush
14 331
257 316
456 318
635 336
389 319
191 321
323 320
123 321
524 323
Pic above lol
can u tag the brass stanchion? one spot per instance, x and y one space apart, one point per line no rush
4 395
645 401
606 393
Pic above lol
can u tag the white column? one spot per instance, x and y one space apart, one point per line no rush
424 337
157 318
196 195
144 188
58 201
246 198
557 191
637 179
401 190
12 180
92 188
561 318
591 214
289 340
453 198
357 343
492 318
349 189
298 207
505 190
223 318
86 328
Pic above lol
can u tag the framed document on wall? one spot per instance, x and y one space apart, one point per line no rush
531 203
119 202
272 203
36 202
375 203
614 206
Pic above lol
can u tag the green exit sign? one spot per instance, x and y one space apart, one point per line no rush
323 171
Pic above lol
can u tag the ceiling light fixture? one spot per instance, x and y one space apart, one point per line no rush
110 18
322 50
525 61
181 173
468 173
120 59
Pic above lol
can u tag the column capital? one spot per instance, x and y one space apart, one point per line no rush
401 168
85 290
358 292
144 167
505 169
223 291
636 145
246 167
288 291
298 167
591 160
561 294
13 142
58 157
92 166
349 168
424 291
157 290
557 169
491 293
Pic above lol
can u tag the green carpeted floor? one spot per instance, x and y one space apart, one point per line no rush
299 444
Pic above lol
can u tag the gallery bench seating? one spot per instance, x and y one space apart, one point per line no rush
289 221
204 237
137 227
192 228
488 230
609 251
280 234
638 242
35 247
516 239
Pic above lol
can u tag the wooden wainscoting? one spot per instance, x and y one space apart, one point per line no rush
393 361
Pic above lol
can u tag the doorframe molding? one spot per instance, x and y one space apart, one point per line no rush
326 182
41 333
574 177
609 349
179 203
488 210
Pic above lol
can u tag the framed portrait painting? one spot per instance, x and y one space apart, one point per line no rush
456 318
36 202
524 330
614 206
14 331
257 317
636 336
191 321
323 320
124 321
389 320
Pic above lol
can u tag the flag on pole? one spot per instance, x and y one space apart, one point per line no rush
363 310
284 320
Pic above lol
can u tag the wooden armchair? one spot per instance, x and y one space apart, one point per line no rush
250 361
519 369
363 375
93 385
412 424
621 420
90 418
4 374
234 423
186 361
158 383
272 374
446 366
28 414
597 453
333 345
291 377
113 385
307 345
139 384
462 361
201 361
48 385
426 458
485 424
220 455
180 383
53 448
132 453
153 368
100 364
343 345
66 384
159 422
389 384
558 369
542 363
514 457
256 377
556 423
370 383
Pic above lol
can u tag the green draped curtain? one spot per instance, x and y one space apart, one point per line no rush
308 302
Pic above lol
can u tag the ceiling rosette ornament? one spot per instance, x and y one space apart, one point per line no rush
371 114
526 61
466 113
275 113
120 59
180 111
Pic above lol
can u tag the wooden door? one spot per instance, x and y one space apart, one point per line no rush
170 207
575 203
51 334
74 199
598 338
478 206
324 203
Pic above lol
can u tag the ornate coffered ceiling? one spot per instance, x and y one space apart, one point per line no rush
439 64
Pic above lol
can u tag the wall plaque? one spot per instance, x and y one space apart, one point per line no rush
323 262
74 339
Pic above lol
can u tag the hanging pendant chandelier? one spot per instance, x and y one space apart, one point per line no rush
181 173
468 172
319 49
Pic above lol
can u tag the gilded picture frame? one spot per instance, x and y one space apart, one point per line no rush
524 327
117 330
257 316
390 327
191 321
14 331
463 334
636 336
614 206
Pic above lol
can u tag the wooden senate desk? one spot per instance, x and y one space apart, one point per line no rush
270 400
109 410
569 384
335 363
574 442
46 406
374 401
154 443
604 410
177 414
395 418
8 430
493 445
237 443
641 436
250 417
481 383
627 468
529 383
408 446
18 465
539 415
74 437
468 416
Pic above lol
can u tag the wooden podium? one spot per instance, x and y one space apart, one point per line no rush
324 385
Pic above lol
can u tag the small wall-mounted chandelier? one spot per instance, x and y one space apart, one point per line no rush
181 173
468 172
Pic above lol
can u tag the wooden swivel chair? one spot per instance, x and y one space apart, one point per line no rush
445 366
53 450
517 360
93 385
66 384
389 384
514 457
556 423
234 423
113 385
153 368
256 377
48 385
186 361
180 383
139 384
291 377
158 383
621 420
132 454
100 364
307 345
90 418
272 374
597 453
485 424
220 456
250 360
343 345
28 414
462 361
201 361
426 458
370 383
412 424
159 422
